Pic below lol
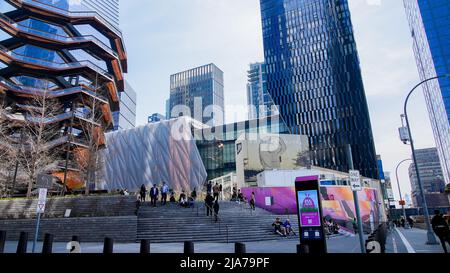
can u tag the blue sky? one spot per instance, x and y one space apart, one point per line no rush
165 37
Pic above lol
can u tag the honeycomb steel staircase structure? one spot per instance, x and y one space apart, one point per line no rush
78 85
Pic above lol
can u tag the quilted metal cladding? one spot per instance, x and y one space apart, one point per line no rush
153 154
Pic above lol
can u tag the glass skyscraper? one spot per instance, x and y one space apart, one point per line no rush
201 91
257 97
429 22
314 77
125 118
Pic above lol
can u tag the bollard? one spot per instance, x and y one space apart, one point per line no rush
189 248
302 249
239 248
2 240
145 246
47 247
108 246
75 239
23 243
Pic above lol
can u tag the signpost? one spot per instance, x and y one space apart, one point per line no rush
311 230
40 209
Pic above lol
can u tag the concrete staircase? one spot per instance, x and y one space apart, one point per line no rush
173 224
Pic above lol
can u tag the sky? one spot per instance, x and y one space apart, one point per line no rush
166 37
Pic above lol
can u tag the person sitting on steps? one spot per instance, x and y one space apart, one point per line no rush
279 228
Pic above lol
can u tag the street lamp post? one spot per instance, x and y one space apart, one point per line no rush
430 233
400 191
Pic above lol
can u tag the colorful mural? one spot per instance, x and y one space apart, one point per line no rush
337 203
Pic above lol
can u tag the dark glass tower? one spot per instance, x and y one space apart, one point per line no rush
314 76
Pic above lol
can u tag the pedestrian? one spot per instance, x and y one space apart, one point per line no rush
154 192
216 191
220 192
355 226
209 202
194 194
164 191
402 222
216 210
252 201
172 197
234 194
209 188
410 221
441 228
143 193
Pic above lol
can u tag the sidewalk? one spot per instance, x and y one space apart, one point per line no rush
410 241
341 244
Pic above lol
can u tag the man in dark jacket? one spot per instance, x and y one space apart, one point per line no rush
154 192
441 228
216 210
209 202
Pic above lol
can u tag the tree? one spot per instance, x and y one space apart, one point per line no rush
41 131
8 153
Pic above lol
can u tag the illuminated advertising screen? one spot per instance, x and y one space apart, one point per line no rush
308 207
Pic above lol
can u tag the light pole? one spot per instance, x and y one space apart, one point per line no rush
400 191
430 233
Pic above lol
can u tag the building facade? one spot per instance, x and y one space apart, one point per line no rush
156 117
217 145
314 76
429 22
68 54
198 93
258 100
432 179
125 118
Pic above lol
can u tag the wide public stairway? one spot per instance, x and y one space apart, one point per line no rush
237 223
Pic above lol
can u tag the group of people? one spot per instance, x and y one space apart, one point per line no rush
164 191
331 226
237 195
215 191
402 222
283 229
212 206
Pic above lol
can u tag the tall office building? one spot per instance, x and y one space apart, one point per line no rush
314 76
125 118
429 21
69 52
431 177
201 90
259 101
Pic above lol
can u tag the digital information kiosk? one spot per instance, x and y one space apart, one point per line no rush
307 190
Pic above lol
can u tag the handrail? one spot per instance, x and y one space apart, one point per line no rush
58 37
36 91
219 220
56 65
73 14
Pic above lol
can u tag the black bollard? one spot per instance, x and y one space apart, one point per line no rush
189 248
108 246
145 246
23 243
47 247
2 240
75 239
239 248
302 249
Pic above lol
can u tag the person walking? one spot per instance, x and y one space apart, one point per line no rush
194 194
221 192
164 191
209 188
252 201
143 193
209 202
441 228
216 191
410 221
216 210
154 192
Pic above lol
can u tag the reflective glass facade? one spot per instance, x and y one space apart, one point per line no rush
126 117
257 95
429 21
217 144
203 83
313 75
